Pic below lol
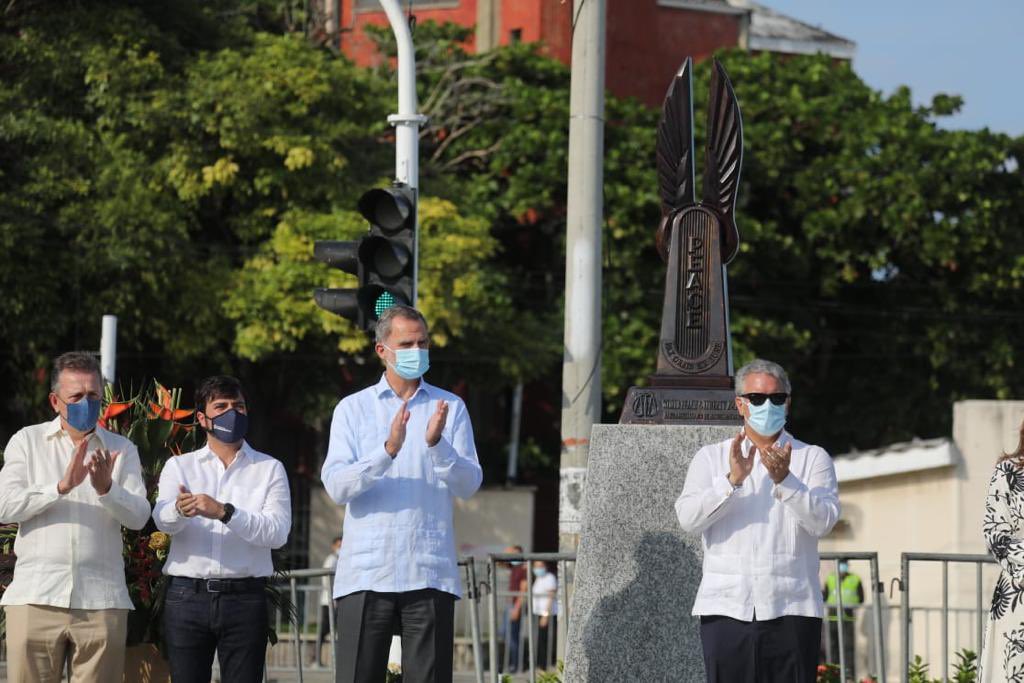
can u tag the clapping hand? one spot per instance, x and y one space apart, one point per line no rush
76 471
396 437
101 470
740 465
436 425
776 461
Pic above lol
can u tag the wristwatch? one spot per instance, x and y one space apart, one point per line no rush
229 510
735 487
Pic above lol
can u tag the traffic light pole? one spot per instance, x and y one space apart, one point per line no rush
407 121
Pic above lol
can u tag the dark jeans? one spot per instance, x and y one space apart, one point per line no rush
198 623
783 650
512 641
366 621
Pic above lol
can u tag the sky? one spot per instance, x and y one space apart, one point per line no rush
971 48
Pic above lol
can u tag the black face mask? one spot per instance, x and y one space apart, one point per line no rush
229 427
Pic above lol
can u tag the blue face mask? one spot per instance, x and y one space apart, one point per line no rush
539 571
410 363
766 419
82 416
229 427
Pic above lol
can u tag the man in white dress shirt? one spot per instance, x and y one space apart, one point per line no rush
761 501
226 506
399 451
68 591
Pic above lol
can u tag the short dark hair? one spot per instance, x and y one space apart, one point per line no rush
382 330
218 386
77 361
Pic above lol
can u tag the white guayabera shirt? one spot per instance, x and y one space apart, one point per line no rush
69 546
202 548
398 523
760 540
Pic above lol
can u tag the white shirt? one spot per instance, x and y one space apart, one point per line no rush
761 540
398 523
69 547
545 602
203 548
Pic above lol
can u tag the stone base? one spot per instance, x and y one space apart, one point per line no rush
637 572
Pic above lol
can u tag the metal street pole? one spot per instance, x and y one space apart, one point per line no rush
108 349
581 364
407 121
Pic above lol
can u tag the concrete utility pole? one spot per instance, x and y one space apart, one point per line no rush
108 349
408 120
581 364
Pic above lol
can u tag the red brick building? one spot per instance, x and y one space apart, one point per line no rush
647 40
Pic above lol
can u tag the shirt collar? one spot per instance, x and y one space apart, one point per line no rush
55 429
784 438
206 453
382 388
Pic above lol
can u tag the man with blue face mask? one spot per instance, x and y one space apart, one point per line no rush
70 485
399 451
226 506
760 501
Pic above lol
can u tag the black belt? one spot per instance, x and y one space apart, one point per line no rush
246 585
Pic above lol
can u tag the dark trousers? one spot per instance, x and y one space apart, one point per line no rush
783 650
198 623
366 621
323 630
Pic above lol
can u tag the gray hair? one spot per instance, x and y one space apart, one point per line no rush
760 366
382 330
76 361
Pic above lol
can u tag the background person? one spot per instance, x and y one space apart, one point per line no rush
852 593
545 611
323 627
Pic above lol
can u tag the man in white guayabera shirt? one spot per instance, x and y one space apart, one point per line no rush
70 485
760 501
399 451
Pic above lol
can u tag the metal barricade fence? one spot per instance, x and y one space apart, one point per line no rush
298 653
906 612
565 574
877 589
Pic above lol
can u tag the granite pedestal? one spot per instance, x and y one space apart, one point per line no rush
637 572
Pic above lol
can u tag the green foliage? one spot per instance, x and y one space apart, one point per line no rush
173 166
965 669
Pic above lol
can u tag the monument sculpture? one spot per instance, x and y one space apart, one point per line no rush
637 572
693 381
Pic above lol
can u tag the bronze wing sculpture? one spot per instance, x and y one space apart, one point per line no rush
693 381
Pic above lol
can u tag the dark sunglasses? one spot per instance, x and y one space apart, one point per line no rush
758 399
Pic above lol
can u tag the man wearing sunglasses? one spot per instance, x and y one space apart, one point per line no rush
761 501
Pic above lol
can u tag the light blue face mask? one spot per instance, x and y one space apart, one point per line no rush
766 419
410 363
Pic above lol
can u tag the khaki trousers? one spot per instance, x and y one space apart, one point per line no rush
39 638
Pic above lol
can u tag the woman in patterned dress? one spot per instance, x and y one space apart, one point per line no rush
1002 656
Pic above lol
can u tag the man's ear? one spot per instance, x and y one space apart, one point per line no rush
54 403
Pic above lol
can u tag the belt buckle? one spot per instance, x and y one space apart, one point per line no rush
220 586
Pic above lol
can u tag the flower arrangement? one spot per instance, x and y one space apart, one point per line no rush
160 429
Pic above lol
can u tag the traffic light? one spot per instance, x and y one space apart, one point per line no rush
345 256
383 260
387 254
